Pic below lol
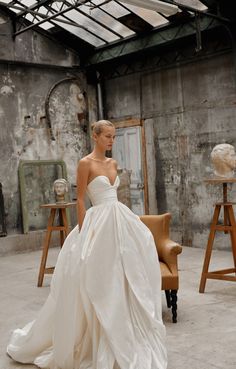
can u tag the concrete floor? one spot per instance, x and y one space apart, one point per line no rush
203 338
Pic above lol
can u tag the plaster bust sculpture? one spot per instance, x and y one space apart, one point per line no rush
223 158
60 187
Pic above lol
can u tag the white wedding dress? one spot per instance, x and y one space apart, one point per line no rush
104 307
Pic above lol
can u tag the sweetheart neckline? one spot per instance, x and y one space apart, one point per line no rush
112 185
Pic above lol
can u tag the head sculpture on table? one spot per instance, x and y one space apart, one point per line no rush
223 158
60 187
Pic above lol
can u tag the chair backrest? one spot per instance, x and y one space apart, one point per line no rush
159 226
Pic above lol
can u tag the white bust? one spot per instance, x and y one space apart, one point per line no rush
60 187
223 158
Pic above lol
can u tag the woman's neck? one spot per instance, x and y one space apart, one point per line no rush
98 155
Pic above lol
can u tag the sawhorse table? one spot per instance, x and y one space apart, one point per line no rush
228 226
63 228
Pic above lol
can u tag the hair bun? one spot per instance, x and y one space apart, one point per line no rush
96 127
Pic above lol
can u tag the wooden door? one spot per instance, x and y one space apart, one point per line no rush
128 151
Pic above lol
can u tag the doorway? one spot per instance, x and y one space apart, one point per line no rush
130 153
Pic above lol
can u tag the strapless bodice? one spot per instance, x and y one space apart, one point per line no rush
101 191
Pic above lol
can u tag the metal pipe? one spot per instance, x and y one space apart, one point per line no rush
3 230
100 97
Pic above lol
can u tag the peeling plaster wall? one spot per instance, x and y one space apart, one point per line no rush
32 47
24 133
187 111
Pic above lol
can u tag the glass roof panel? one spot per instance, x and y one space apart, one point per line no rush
115 9
91 25
101 19
46 11
28 2
58 5
82 33
107 20
34 18
37 18
16 8
150 16
29 17
46 25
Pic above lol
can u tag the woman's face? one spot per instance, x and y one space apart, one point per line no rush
105 139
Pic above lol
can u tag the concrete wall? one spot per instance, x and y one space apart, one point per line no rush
32 47
30 66
187 110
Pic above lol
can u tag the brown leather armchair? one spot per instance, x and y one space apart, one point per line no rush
167 252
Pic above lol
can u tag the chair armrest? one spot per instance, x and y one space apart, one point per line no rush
168 251
166 248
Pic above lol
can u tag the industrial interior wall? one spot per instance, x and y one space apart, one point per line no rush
191 109
30 66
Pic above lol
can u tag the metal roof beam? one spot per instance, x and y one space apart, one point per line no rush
33 7
103 10
48 19
194 10
73 23
44 16
96 21
65 21
156 38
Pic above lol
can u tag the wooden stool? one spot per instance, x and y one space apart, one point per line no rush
63 228
228 226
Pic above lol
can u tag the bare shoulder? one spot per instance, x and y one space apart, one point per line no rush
114 163
84 163
84 160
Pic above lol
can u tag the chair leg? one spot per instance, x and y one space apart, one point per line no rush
168 299
173 294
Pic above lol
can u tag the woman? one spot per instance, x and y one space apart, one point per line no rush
104 307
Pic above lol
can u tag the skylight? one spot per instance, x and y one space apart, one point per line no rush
97 22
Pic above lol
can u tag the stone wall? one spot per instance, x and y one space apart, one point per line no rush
187 110
35 70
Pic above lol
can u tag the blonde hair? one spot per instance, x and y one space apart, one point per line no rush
96 127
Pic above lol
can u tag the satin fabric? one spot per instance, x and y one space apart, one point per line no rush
104 306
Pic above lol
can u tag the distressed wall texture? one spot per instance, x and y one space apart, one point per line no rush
187 110
24 132
32 47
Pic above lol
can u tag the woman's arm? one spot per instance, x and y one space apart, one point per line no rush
82 181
